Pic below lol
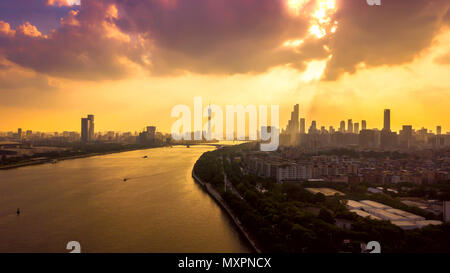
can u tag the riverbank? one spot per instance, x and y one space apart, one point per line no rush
216 196
55 160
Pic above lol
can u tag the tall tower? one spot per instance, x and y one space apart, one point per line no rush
302 126
295 118
350 126
91 127
387 120
342 127
438 130
363 125
209 134
84 130
356 128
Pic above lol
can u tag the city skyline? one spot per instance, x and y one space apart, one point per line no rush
361 124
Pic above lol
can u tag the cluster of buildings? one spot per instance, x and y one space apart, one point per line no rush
334 168
355 134
28 138
400 218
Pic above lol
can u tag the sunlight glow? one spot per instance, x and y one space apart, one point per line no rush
321 18
293 43
314 70
296 5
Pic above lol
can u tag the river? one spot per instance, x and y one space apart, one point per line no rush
158 209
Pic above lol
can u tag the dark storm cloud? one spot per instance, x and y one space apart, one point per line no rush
215 36
210 36
85 46
393 33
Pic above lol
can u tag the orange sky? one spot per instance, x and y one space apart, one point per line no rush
328 67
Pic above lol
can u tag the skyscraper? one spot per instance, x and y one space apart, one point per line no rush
356 128
363 125
87 129
438 130
302 126
209 133
350 126
387 120
84 130
91 127
293 124
313 127
292 128
342 127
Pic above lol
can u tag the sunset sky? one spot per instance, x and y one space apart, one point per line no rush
129 62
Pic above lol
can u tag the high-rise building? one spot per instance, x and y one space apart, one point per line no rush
84 130
148 136
356 128
19 133
293 125
313 127
209 133
342 127
151 131
368 139
387 120
438 130
302 126
87 128
363 125
350 126
91 127
406 136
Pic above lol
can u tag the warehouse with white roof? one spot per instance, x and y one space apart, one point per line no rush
377 211
356 205
406 214
375 204
364 214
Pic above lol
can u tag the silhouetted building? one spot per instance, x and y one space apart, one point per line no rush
368 139
313 128
342 127
148 136
438 130
91 127
302 126
350 126
406 136
363 125
356 128
388 139
387 120
87 129
84 130
293 126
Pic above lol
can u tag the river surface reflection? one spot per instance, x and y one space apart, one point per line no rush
159 208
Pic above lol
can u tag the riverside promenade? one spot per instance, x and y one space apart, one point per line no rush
212 192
